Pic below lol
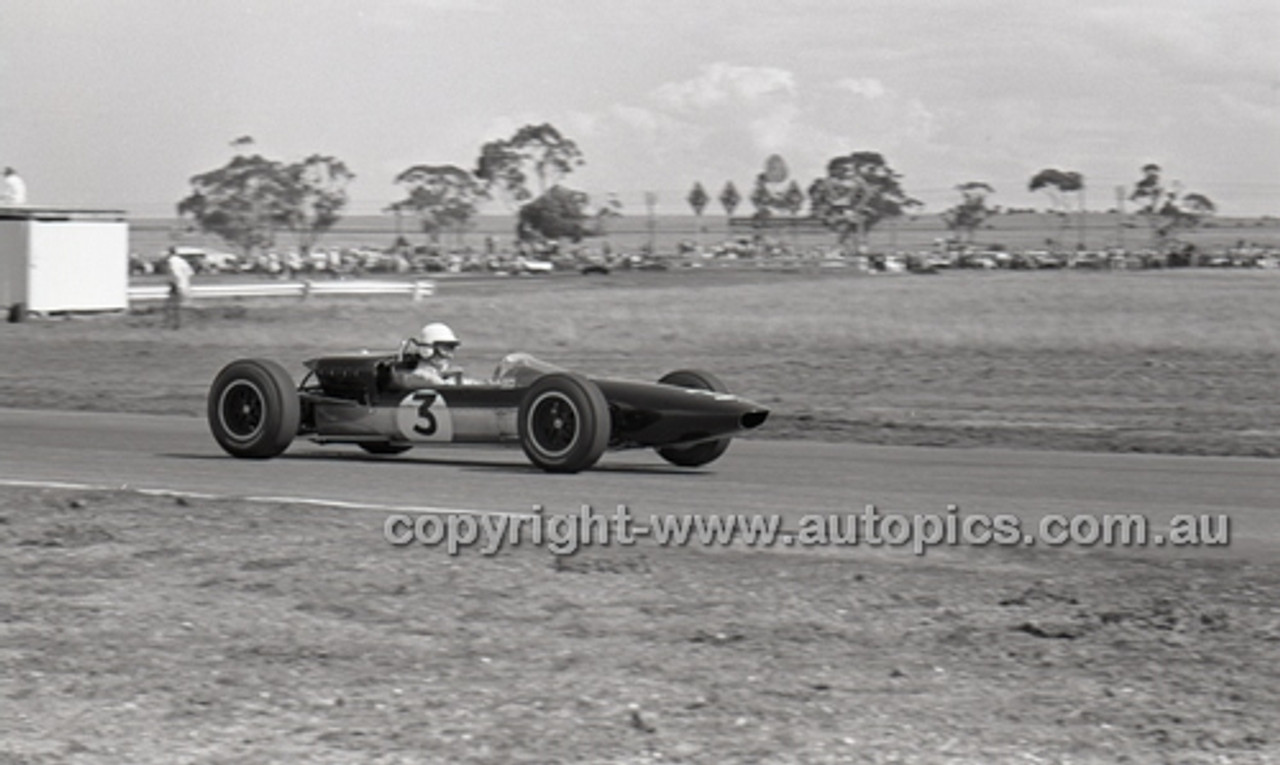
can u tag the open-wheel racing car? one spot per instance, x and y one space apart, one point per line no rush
563 420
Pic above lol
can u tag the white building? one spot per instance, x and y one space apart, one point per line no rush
63 260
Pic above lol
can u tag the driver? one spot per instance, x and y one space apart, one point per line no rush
426 360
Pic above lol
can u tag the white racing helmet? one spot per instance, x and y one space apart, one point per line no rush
435 340
429 342
437 332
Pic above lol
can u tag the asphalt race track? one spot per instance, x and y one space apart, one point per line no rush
755 476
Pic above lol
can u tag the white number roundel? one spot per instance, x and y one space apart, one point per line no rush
424 416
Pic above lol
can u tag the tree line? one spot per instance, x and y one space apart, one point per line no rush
252 198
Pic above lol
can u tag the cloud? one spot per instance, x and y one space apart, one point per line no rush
642 121
655 136
726 111
868 87
988 92
722 121
775 130
720 83
582 123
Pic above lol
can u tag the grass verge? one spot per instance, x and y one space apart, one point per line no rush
1181 362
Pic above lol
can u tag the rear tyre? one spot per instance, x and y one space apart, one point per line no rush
707 451
253 409
564 423
385 448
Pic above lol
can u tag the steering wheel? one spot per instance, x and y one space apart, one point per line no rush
409 351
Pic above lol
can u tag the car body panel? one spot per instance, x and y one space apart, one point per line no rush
353 400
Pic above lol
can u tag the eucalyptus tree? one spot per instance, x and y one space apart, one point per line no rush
1167 208
730 198
1060 185
859 191
444 197
533 153
526 169
247 201
972 211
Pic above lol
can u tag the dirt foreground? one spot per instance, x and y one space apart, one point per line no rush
146 629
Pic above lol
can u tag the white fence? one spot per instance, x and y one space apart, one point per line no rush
417 290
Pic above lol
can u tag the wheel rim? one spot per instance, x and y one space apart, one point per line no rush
553 424
242 410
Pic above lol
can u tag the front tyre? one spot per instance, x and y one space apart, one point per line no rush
253 409
701 453
564 423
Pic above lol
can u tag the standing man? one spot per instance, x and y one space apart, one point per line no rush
14 191
179 271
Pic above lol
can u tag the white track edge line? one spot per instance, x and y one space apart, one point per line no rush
282 500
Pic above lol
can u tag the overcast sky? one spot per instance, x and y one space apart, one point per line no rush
116 103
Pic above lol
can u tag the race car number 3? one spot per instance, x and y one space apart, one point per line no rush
424 416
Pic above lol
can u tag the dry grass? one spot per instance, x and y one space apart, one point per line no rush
631 233
981 312
1174 361
1179 310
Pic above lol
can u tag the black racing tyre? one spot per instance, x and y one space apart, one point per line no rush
253 409
564 423
382 447
707 451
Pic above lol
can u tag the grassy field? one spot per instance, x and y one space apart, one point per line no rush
630 233
1143 361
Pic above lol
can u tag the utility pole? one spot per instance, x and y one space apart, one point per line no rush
651 201
1120 220
1080 222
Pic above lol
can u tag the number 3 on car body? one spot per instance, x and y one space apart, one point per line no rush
423 416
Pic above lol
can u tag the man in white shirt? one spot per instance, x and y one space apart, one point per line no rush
14 190
179 272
